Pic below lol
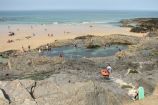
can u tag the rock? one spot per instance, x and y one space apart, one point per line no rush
62 89
28 84
156 91
8 53
28 102
139 30
57 91
85 37
121 55
152 100
17 93
141 25
67 94
3 100
93 46
152 34
121 39
133 71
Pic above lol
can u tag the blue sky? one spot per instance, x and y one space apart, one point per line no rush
79 5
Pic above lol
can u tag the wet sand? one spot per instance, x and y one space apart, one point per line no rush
36 35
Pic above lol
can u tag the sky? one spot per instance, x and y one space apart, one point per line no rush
79 5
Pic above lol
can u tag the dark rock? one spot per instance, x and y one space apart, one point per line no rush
139 29
84 37
8 53
93 46
142 25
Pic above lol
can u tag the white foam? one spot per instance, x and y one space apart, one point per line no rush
55 23
85 22
100 22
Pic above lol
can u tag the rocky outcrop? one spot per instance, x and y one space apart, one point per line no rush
6 54
152 100
139 29
141 25
78 93
152 34
38 67
59 91
85 37
93 46
156 90
95 41
3 100
17 93
122 39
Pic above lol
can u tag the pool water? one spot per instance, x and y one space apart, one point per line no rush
72 52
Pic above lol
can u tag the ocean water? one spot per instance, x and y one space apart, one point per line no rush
71 17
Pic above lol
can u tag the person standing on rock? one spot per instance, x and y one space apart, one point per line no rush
109 68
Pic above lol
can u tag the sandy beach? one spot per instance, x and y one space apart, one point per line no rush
36 35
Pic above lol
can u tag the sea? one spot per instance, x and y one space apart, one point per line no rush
72 17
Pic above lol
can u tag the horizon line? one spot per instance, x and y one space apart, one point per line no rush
83 10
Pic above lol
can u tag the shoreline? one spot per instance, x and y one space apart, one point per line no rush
34 35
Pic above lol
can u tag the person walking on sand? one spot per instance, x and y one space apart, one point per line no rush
23 49
52 35
29 47
34 34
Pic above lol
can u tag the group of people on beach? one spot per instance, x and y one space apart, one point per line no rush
51 35
24 50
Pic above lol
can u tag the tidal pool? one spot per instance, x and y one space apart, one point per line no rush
72 52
